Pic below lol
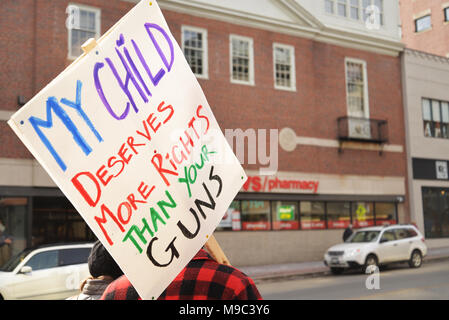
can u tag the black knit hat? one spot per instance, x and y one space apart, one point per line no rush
101 263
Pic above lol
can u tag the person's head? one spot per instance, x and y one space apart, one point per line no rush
101 263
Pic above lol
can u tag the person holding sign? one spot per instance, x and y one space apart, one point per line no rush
202 279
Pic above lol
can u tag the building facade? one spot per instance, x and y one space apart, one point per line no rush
314 84
425 25
426 101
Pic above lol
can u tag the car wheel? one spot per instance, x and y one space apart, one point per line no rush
370 263
415 259
337 270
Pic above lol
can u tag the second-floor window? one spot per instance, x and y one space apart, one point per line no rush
284 66
242 60
446 14
436 118
423 23
194 45
356 88
84 23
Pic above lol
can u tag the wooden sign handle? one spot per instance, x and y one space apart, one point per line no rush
216 252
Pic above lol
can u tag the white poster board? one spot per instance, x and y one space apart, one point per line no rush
127 134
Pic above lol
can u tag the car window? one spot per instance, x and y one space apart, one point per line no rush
44 260
73 256
401 233
411 233
388 235
364 236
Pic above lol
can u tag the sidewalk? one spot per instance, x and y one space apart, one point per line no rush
315 268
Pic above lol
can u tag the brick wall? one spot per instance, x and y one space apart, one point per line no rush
36 52
435 40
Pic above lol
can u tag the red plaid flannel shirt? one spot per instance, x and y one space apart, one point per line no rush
202 279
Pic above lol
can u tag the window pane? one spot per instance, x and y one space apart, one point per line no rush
312 215
231 220
362 214
341 9
256 215
13 222
423 23
194 50
44 260
329 6
69 257
285 215
445 112
446 14
240 60
436 111
355 88
401 233
385 213
426 113
338 215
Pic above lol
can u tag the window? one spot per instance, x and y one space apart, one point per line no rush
423 23
284 67
435 118
362 214
44 260
69 257
256 215
231 219
285 215
85 24
194 46
436 212
312 215
356 88
388 236
341 7
385 213
242 60
329 6
338 215
446 14
354 9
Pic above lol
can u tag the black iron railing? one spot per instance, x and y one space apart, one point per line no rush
362 129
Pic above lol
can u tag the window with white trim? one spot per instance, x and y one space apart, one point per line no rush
360 10
242 60
446 14
373 10
329 6
83 24
436 118
284 66
357 88
194 46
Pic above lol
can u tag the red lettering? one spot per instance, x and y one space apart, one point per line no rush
256 184
161 109
101 173
122 153
119 212
132 201
143 190
157 163
151 120
101 221
203 117
131 144
112 163
77 184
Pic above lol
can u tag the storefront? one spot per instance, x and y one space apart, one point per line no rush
296 216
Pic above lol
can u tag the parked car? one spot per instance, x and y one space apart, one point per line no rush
376 246
47 272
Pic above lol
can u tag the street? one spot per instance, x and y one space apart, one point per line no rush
431 281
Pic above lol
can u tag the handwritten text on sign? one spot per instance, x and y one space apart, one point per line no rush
130 139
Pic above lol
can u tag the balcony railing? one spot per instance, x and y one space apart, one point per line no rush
362 130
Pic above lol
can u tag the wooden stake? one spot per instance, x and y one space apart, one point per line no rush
216 252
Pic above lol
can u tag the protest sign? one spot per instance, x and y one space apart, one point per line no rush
128 136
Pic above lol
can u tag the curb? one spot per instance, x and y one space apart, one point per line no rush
325 271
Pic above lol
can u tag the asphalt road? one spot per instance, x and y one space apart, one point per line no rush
431 281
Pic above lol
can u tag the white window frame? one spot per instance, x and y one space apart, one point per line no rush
292 86
251 81
365 86
97 12
205 74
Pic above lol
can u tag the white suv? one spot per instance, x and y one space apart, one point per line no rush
378 246
47 272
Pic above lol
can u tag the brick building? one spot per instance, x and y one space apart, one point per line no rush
425 25
326 73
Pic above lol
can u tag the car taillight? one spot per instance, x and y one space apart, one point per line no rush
423 240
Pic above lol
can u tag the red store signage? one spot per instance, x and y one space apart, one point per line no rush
267 184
